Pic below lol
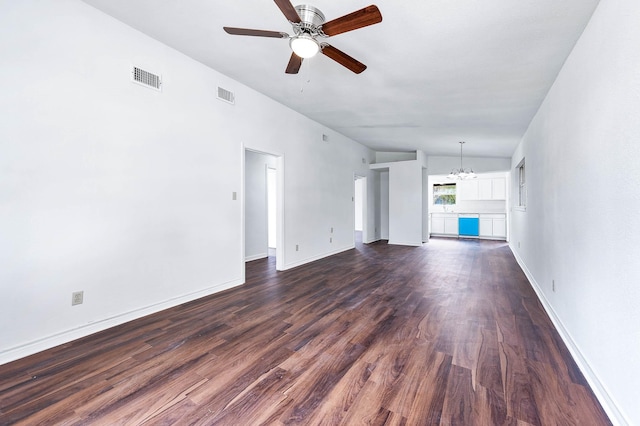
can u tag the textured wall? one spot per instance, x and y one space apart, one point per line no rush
126 193
581 226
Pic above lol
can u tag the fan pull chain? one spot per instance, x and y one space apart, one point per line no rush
306 70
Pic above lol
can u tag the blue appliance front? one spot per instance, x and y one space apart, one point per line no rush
468 226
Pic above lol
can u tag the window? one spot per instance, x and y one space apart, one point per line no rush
444 194
522 186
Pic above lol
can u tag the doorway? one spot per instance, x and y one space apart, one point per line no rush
360 234
263 207
271 210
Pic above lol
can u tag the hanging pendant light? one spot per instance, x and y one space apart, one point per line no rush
462 173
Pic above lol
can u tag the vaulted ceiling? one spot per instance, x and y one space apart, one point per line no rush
439 71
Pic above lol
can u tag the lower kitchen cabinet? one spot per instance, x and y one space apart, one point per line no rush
444 224
437 225
451 225
493 226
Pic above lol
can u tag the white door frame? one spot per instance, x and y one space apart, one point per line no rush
365 216
280 240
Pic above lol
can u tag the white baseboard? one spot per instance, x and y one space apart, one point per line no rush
314 258
406 243
67 336
598 388
256 257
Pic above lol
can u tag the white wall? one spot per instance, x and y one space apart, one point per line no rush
272 207
426 205
373 208
405 203
256 234
125 192
581 227
388 157
359 199
383 205
318 179
443 165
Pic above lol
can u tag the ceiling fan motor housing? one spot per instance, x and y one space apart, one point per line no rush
311 18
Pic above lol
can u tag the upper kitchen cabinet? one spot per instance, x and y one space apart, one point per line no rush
482 189
492 189
468 189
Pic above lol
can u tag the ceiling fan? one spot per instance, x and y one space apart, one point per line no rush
309 25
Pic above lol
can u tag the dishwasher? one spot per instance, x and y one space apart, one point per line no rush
468 225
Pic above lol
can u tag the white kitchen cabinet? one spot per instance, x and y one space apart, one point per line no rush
437 225
485 189
467 190
451 225
486 227
444 224
500 228
492 189
493 226
498 189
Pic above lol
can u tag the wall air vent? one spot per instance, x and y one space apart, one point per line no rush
146 78
226 95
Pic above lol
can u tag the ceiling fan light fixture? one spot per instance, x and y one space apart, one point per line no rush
304 46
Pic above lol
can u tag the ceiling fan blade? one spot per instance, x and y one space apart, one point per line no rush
256 33
288 10
360 18
295 62
343 59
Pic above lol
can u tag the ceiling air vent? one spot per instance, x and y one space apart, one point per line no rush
146 78
226 95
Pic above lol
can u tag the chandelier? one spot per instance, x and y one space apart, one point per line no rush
462 173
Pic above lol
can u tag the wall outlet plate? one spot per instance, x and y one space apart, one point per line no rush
77 298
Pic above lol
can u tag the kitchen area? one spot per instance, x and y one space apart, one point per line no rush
469 208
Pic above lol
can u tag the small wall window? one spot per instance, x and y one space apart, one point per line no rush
522 185
444 194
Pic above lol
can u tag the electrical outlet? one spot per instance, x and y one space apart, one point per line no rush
234 196
296 247
332 230
553 285
77 298
518 244
330 240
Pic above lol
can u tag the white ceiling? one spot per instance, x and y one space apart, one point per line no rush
439 71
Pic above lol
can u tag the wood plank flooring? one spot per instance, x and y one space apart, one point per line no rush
449 333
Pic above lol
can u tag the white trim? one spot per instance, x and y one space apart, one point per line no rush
365 210
598 388
406 243
314 258
372 240
256 257
280 212
67 336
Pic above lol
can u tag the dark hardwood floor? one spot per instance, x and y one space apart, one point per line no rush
450 333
